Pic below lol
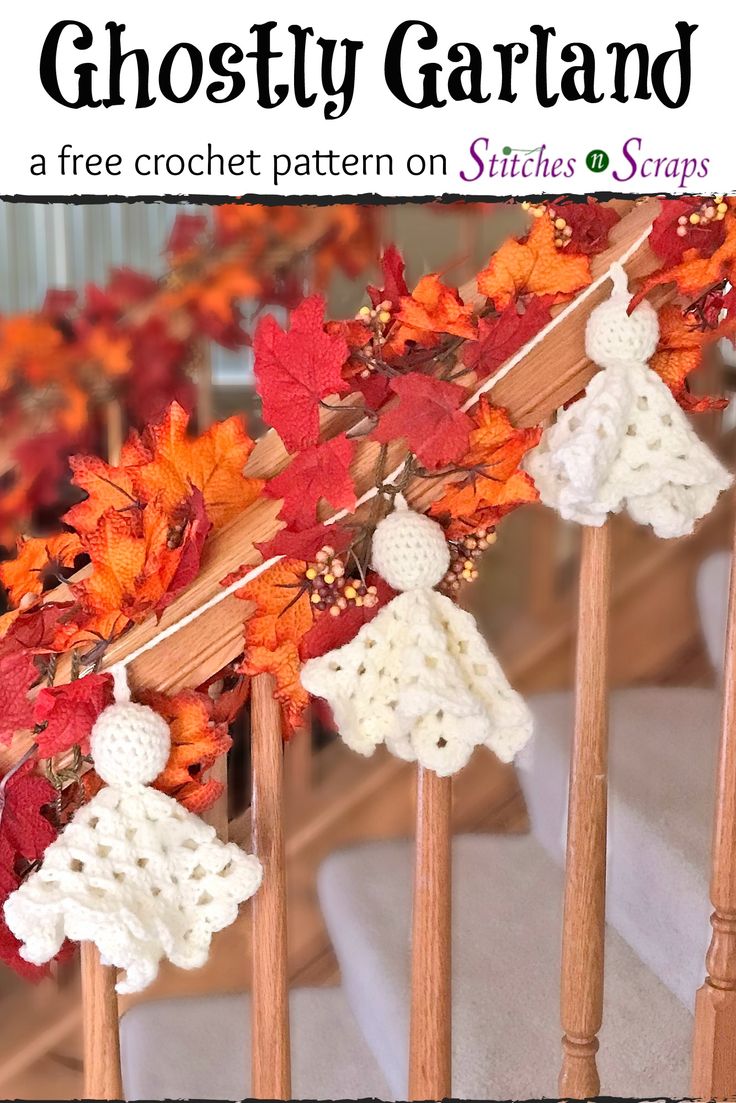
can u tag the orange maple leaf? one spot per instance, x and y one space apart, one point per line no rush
111 352
680 352
431 310
38 559
29 345
164 463
283 662
196 744
282 608
108 488
282 616
494 485
216 291
132 564
534 266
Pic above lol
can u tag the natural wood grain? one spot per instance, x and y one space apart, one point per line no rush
114 431
102 1078
430 1041
581 999
271 1067
298 763
217 814
714 1049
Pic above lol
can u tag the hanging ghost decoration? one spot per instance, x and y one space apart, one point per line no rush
133 871
626 444
419 677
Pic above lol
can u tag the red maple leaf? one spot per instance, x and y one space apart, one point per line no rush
296 370
194 524
36 630
18 673
23 826
69 712
428 418
322 471
590 223
394 285
305 543
669 245
328 633
499 338
25 833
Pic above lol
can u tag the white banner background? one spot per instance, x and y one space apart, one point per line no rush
376 123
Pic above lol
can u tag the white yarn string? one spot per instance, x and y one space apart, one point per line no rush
488 385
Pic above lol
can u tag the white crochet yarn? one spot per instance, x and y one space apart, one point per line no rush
409 549
626 443
419 677
133 871
130 744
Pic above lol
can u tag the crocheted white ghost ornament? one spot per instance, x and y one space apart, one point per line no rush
626 443
419 677
133 871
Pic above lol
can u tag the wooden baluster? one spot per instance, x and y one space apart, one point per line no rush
430 1041
298 764
271 1078
114 430
203 377
102 1079
714 1050
217 814
585 875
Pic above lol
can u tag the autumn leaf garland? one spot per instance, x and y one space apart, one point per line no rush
409 362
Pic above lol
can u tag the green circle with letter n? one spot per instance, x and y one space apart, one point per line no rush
597 160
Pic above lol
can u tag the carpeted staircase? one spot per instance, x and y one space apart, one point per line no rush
507 894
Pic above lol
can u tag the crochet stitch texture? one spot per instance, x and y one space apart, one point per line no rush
133 871
626 444
419 677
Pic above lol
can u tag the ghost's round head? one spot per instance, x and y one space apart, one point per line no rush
613 336
409 549
130 744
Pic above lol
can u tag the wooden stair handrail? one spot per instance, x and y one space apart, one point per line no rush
581 993
714 1044
430 1040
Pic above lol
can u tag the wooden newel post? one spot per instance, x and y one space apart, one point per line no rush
714 1051
585 874
430 1042
102 1079
271 1077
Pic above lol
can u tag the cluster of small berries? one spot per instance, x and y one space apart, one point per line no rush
710 210
563 230
464 554
330 590
536 210
377 317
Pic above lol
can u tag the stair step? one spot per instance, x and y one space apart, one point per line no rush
663 745
507 897
199 1048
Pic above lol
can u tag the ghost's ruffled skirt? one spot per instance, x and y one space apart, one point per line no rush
141 877
421 679
627 444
